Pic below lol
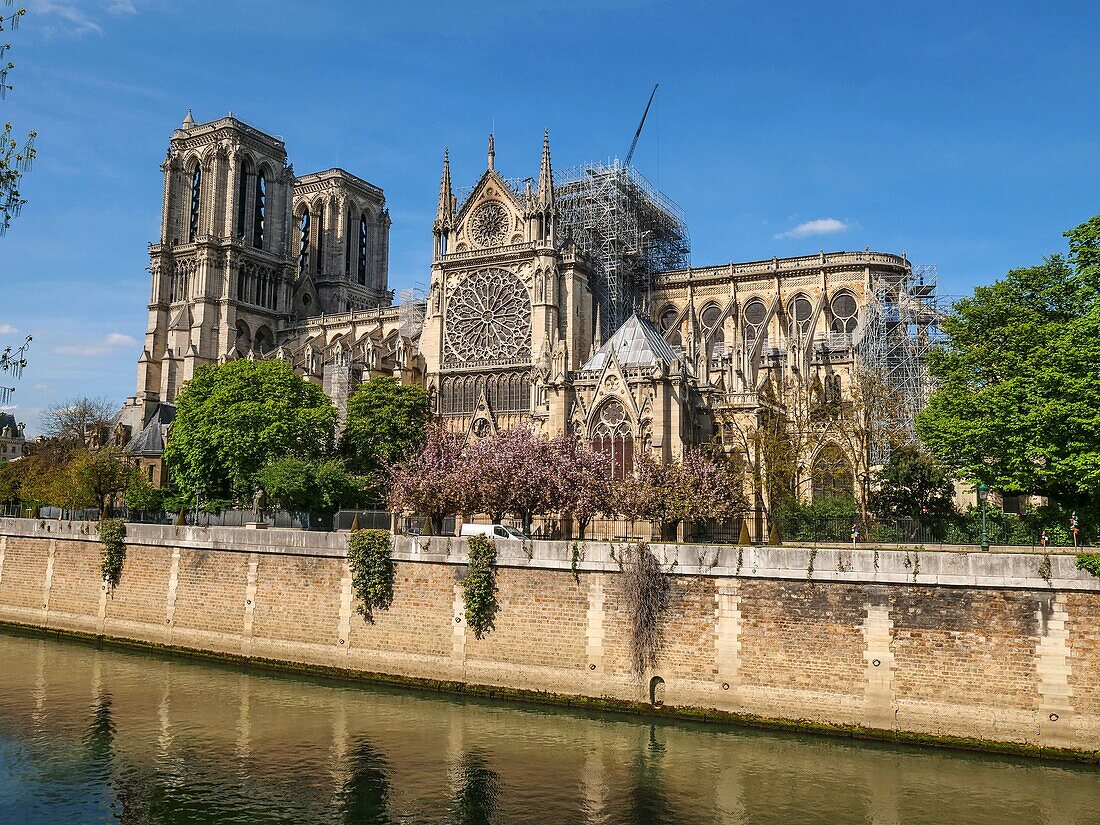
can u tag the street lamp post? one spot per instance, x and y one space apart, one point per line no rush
983 492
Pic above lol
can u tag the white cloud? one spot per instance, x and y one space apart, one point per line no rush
77 17
821 226
7 329
111 342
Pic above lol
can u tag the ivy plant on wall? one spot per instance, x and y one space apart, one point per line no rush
479 588
1089 562
112 535
648 593
369 557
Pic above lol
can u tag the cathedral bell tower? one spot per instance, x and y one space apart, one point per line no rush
222 276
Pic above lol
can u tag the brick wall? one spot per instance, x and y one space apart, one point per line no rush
1016 663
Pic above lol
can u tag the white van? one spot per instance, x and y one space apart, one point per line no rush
493 531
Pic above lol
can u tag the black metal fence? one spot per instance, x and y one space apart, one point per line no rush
754 526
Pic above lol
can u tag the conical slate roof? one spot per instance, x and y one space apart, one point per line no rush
637 343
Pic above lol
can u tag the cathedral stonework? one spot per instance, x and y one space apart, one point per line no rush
528 318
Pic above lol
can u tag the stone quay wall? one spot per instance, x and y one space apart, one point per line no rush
995 649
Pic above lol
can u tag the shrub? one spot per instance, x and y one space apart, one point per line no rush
112 535
371 570
479 588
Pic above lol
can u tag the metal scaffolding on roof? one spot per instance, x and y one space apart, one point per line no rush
900 326
629 229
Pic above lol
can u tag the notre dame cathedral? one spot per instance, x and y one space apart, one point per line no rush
567 304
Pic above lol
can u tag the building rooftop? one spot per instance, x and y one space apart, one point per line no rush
637 343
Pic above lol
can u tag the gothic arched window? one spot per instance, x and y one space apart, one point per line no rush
196 198
844 312
711 318
242 196
303 243
318 264
755 315
259 213
363 248
832 474
612 436
801 311
347 246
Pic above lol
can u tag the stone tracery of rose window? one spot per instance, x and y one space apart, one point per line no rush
488 319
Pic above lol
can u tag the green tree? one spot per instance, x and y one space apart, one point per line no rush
141 493
386 423
912 485
308 485
233 419
98 477
1018 379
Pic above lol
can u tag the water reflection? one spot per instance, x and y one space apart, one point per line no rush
365 796
90 735
475 799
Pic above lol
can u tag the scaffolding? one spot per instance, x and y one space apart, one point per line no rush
410 312
901 325
628 228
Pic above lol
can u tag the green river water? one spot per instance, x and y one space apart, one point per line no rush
90 735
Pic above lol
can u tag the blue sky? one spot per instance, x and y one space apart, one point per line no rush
965 134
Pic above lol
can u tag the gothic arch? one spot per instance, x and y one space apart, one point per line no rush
244 338
831 473
303 227
844 311
264 341
612 433
261 205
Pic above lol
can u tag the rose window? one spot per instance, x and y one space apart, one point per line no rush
489 319
489 224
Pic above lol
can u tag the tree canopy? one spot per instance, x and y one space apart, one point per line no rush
299 484
912 485
1019 378
232 419
386 422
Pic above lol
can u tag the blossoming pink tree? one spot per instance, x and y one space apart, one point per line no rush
583 481
515 472
435 481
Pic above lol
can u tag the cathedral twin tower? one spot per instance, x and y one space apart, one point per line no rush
246 248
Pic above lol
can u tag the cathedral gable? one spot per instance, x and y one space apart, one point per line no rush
492 216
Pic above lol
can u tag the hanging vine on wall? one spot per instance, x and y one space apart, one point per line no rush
369 557
112 535
648 593
479 588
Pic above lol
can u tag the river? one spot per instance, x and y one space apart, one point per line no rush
91 735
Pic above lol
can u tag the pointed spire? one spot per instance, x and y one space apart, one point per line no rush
597 335
492 151
546 174
444 213
188 121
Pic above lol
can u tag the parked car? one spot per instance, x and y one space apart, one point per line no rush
493 531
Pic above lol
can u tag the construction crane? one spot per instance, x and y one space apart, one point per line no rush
638 134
